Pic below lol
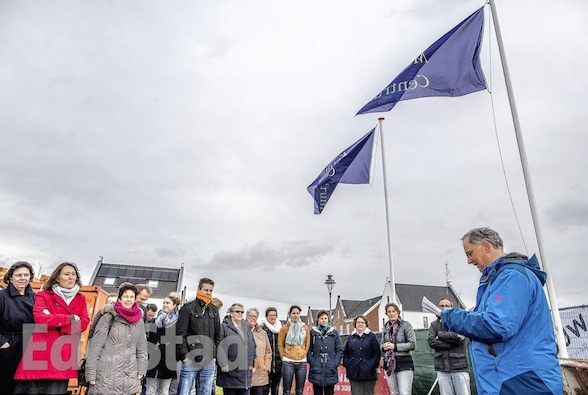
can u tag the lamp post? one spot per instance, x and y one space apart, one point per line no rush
330 283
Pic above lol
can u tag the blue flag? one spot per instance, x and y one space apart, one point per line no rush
449 67
351 166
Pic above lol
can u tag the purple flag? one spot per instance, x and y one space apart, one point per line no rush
351 166
449 67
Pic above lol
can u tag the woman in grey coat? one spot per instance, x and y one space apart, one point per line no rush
117 360
398 342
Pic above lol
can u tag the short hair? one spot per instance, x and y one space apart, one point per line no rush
124 287
216 302
269 310
54 277
175 300
235 305
151 307
143 287
253 310
203 281
294 306
479 235
18 265
321 313
363 317
447 299
392 305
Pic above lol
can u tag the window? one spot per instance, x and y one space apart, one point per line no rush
153 283
109 281
425 322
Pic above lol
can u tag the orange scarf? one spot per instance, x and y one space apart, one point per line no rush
204 297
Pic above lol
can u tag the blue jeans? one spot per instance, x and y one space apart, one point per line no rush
291 370
203 376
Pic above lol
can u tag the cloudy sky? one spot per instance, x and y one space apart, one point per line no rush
165 132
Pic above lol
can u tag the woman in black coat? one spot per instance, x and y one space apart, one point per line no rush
361 358
16 309
236 353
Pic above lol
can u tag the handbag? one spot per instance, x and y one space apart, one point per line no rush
82 369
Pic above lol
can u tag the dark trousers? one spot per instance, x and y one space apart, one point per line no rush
293 371
235 391
259 390
274 385
328 390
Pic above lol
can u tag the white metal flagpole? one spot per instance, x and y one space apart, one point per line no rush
563 353
390 262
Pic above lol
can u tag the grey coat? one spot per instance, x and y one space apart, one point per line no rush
116 357
405 341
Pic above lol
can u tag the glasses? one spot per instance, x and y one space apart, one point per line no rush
238 311
252 316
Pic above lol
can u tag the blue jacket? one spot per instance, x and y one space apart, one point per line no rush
324 356
513 347
236 352
361 356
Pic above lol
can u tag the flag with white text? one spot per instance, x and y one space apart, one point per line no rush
351 166
449 67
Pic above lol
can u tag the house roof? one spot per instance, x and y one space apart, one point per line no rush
353 308
162 280
411 295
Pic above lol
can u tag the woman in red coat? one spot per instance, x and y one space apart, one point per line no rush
51 356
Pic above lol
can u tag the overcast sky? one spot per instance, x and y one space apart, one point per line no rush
157 133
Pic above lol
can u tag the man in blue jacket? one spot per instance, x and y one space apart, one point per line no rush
512 346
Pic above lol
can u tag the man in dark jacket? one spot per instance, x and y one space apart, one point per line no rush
451 362
199 326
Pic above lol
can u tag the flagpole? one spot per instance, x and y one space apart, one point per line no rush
391 265
530 192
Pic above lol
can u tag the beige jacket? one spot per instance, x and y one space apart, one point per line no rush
263 359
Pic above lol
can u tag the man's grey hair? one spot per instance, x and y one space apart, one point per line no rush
478 235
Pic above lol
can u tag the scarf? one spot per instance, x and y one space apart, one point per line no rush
390 356
324 329
132 315
274 328
296 333
165 320
204 297
66 294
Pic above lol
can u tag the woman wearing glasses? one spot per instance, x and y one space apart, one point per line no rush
263 358
236 353
361 358
293 344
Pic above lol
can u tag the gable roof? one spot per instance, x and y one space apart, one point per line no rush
411 295
167 279
353 308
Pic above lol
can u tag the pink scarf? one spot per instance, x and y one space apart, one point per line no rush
132 315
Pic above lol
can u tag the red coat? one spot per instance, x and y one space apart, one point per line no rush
57 337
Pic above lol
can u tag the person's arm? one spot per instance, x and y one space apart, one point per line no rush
346 351
268 353
97 344
84 317
307 338
505 309
282 340
374 353
141 352
182 330
338 349
434 342
44 313
450 338
410 343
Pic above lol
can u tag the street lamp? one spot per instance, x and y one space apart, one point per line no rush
330 283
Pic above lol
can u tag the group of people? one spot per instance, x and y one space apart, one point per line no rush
510 331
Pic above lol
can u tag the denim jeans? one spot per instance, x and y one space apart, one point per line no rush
455 383
194 372
400 383
290 371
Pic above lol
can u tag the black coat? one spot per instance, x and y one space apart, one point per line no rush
155 340
201 320
450 349
361 357
276 359
15 310
236 352
324 356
